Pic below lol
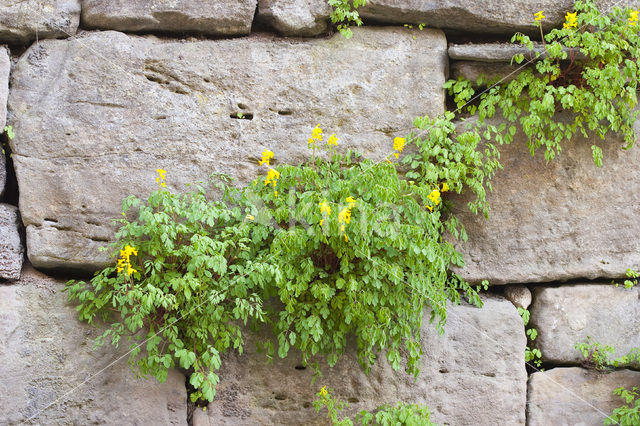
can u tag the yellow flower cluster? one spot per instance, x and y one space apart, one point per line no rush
124 262
633 18
272 175
539 16
323 391
333 140
324 208
160 179
266 157
344 217
316 135
572 20
434 196
398 145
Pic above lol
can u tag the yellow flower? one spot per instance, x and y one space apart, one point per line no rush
323 391
445 187
333 140
272 177
316 133
633 18
345 215
321 222
572 20
539 16
396 154
398 144
250 217
325 207
124 261
434 196
275 193
266 156
429 207
351 201
161 176
346 239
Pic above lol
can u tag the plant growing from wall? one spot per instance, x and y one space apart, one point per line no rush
400 414
598 356
339 246
531 353
345 14
584 81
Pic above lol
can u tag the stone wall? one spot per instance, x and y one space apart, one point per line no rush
100 94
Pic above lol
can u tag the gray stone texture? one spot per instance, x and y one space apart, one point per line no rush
575 396
5 68
503 17
46 355
208 17
566 219
145 103
480 356
11 249
470 70
23 21
519 295
566 315
501 52
295 17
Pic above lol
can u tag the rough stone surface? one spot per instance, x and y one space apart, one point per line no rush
575 396
46 354
503 17
23 21
499 52
480 355
210 17
146 103
519 295
11 249
563 220
5 67
470 70
295 17
566 315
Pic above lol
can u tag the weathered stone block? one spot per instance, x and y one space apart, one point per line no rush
11 249
566 315
519 295
566 219
210 17
487 17
295 17
46 355
575 396
145 103
24 21
480 355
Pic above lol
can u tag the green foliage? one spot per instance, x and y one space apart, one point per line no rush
8 130
584 82
632 278
345 13
339 247
599 356
629 413
531 354
400 414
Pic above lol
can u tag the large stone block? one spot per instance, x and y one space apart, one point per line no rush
210 17
568 314
295 17
91 129
485 17
52 375
566 219
24 21
575 396
11 249
473 374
